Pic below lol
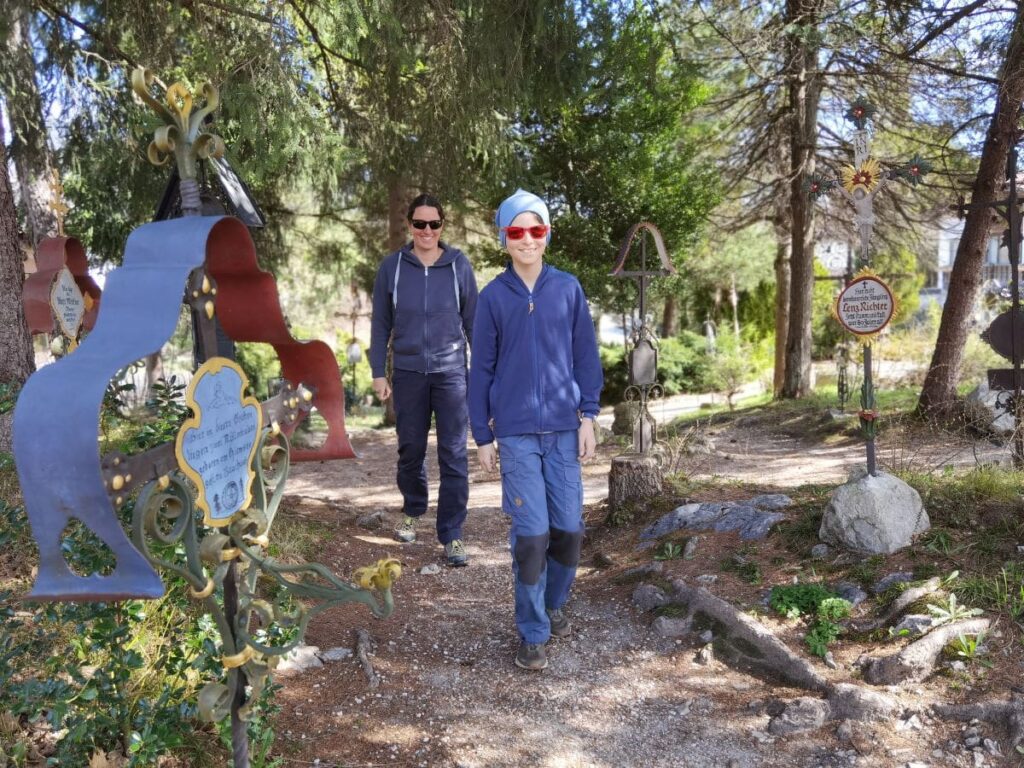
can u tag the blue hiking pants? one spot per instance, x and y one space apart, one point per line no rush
417 397
542 491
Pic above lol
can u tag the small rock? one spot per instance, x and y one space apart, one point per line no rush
707 636
913 625
373 521
800 715
647 597
644 570
705 655
885 582
830 660
772 501
603 560
299 659
958 666
336 654
665 626
820 551
430 569
844 731
912 723
707 579
972 741
690 550
850 592
992 746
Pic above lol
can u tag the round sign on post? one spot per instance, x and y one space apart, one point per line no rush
865 306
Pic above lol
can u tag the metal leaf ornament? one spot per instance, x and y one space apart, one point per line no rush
182 136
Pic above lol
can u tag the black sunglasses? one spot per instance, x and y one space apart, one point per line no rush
420 224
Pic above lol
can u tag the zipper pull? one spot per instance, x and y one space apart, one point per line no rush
531 305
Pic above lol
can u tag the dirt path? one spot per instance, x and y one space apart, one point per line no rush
614 694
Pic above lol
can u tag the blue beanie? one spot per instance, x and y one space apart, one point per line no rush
520 201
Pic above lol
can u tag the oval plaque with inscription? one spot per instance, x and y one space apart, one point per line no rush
865 306
67 303
216 446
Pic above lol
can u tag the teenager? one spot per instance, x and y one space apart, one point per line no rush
533 397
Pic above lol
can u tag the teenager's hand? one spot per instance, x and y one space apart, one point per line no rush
588 441
488 456
382 389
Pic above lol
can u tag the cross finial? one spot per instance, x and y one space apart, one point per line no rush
57 203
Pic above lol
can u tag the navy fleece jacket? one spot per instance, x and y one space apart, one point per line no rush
533 371
429 319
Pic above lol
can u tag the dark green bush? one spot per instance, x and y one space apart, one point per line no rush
683 366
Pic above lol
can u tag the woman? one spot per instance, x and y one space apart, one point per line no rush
424 299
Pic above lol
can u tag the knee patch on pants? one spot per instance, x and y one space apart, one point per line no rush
531 557
565 547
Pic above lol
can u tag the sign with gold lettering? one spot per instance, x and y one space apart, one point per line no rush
216 446
866 305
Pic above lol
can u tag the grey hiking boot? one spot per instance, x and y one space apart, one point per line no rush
561 627
531 656
406 530
456 553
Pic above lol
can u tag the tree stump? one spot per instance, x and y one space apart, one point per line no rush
625 415
633 477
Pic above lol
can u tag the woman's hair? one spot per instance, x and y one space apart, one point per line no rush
425 200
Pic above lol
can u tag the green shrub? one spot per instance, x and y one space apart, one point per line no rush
822 606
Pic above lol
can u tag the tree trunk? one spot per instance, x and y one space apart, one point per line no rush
396 239
734 300
29 147
804 92
670 318
16 358
396 214
782 280
939 391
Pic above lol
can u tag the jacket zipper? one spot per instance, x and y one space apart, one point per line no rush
539 390
423 346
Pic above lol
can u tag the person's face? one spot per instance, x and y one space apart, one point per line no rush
425 239
527 250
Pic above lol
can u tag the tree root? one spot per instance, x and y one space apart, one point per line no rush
364 647
917 661
906 599
1008 714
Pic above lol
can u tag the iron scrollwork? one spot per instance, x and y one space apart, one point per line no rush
167 527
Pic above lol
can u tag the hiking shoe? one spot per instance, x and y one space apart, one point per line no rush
561 627
455 551
406 531
531 656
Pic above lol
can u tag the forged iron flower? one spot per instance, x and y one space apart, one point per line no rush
817 185
865 178
913 171
860 111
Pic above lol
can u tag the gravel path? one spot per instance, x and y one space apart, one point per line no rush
615 694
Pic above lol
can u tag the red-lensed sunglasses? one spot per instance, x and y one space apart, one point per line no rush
537 232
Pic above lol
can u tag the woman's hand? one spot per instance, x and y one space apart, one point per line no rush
488 456
588 440
381 388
